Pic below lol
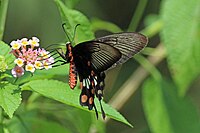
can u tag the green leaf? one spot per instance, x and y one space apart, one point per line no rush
5 52
98 24
1 128
71 3
58 72
46 126
61 92
75 119
72 18
10 98
166 112
98 126
78 120
180 35
3 64
24 124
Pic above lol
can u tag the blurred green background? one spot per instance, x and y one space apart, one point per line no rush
41 18
26 18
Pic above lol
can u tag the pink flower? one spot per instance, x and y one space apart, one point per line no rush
17 71
29 56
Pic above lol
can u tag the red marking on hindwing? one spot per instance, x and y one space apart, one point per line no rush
84 98
91 100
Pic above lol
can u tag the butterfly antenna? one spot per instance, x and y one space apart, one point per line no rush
63 26
51 45
75 29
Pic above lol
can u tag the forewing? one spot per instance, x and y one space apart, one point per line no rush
99 54
128 44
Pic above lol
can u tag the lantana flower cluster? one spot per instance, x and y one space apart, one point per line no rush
29 56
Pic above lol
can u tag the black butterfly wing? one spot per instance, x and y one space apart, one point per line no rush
109 51
99 54
93 57
128 43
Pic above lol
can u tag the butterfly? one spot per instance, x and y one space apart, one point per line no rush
89 60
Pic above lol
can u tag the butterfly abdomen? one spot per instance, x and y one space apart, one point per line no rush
72 75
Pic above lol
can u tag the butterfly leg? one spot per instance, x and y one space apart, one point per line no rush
61 54
63 62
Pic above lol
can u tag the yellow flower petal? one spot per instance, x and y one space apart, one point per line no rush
47 65
38 65
24 42
15 45
30 68
19 62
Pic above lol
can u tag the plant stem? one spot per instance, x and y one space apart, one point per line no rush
3 12
136 79
153 29
149 67
98 24
137 15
